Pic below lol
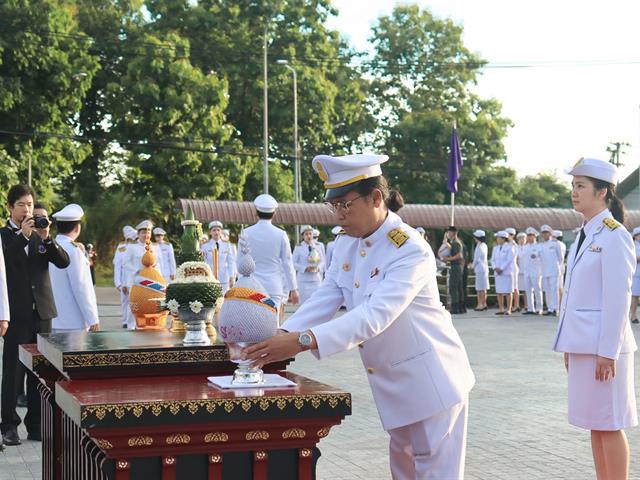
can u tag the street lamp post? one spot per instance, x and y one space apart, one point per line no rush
265 113
296 146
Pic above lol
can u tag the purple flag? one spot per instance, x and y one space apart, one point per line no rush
455 162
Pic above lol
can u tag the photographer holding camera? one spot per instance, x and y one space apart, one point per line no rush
28 249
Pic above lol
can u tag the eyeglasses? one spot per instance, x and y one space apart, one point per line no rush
336 207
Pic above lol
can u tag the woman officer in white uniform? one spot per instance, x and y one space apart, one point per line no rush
414 359
594 331
635 287
308 260
480 267
502 263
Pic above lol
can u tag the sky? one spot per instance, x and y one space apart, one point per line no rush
586 93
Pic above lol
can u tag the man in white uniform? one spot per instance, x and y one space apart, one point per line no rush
167 258
271 251
335 231
219 255
226 237
132 262
316 239
552 259
130 236
414 359
72 287
532 266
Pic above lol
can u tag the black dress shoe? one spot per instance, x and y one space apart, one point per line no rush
635 320
10 437
35 436
21 401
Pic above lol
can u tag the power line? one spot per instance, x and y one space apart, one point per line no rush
233 57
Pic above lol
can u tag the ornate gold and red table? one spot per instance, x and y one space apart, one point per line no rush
137 405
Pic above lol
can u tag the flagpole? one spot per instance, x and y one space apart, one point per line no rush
453 207
453 195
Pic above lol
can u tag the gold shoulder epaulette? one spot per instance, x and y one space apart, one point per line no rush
122 248
341 232
397 237
610 223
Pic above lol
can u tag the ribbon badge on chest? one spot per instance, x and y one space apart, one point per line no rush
42 249
595 248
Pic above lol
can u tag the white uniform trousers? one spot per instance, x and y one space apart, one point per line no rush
550 287
433 449
533 292
124 303
306 289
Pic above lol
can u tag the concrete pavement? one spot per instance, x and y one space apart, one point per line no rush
517 414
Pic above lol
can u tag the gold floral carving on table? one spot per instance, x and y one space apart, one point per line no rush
257 435
122 465
294 433
104 444
215 437
305 452
178 439
216 458
145 358
140 441
323 432
169 460
261 455
118 411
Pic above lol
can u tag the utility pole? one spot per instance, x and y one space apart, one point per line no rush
615 149
265 112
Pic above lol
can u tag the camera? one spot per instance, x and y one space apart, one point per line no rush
40 221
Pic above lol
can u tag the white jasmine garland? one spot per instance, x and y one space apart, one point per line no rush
195 306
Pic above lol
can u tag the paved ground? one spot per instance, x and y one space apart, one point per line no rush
517 419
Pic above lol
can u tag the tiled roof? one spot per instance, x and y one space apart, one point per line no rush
430 216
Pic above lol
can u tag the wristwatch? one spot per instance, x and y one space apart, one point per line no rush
304 340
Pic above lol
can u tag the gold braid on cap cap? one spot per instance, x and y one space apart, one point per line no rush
346 182
321 172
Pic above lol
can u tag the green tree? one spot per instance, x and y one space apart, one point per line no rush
45 71
174 115
423 75
543 190
226 37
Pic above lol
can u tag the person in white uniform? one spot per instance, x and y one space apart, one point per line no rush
271 251
226 237
5 317
316 239
480 267
521 240
532 267
594 332
167 258
414 358
132 262
557 236
635 286
130 236
73 289
219 255
502 263
308 261
551 258
335 231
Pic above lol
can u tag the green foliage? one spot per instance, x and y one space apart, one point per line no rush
206 293
124 106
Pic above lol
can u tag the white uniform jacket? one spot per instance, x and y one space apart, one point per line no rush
301 262
503 256
637 247
226 259
530 262
118 257
480 263
551 256
594 315
415 360
132 261
167 259
73 290
330 246
271 251
4 293
563 254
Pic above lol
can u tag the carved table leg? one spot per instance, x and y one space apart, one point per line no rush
215 466
260 459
